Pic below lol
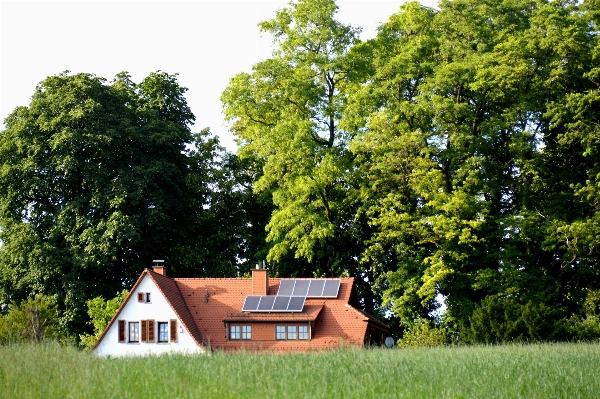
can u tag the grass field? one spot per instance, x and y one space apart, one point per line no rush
511 371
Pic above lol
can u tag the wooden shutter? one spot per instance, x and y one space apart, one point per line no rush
151 331
144 331
121 330
173 337
140 297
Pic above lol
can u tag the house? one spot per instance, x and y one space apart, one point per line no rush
191 315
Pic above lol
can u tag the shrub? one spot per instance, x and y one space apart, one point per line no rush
101 311
503 319
421 333
587 327
34 319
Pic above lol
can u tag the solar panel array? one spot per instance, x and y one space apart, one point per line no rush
311 288
292 294
272 303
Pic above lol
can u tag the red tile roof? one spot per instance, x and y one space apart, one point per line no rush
213 301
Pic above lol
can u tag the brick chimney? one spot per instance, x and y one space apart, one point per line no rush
260 280
158 265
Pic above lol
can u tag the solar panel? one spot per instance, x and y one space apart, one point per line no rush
251 303
272 303
281 303
316 288
266 303
286 287
311 288
331 288
296 304
301 288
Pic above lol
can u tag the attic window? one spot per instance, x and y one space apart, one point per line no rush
144 297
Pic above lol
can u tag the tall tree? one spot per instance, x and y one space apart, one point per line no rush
466 171
286 113
226 236
92 186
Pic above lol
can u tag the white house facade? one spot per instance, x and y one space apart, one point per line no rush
146 324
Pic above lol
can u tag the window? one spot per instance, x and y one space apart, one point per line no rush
134 331
280 332
246 332
144 297
303 332
235 332
291 332
163 331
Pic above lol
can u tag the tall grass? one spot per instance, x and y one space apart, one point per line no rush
511 371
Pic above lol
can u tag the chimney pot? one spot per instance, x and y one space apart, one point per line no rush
158 265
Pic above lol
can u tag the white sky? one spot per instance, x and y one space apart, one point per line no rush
206 42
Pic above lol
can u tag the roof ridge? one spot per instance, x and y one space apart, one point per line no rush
209 278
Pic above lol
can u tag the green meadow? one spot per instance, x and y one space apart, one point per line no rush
506 371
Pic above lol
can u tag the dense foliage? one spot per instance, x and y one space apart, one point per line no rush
453 158
98 178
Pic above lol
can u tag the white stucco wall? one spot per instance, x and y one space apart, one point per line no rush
158 310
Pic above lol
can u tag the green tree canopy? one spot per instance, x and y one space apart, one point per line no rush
471 177
452 156
92 186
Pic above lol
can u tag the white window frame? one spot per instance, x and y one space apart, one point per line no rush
280 332
302 332
133 331
292 332
234 332
246 332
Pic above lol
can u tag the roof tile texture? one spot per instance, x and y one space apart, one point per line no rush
213 300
